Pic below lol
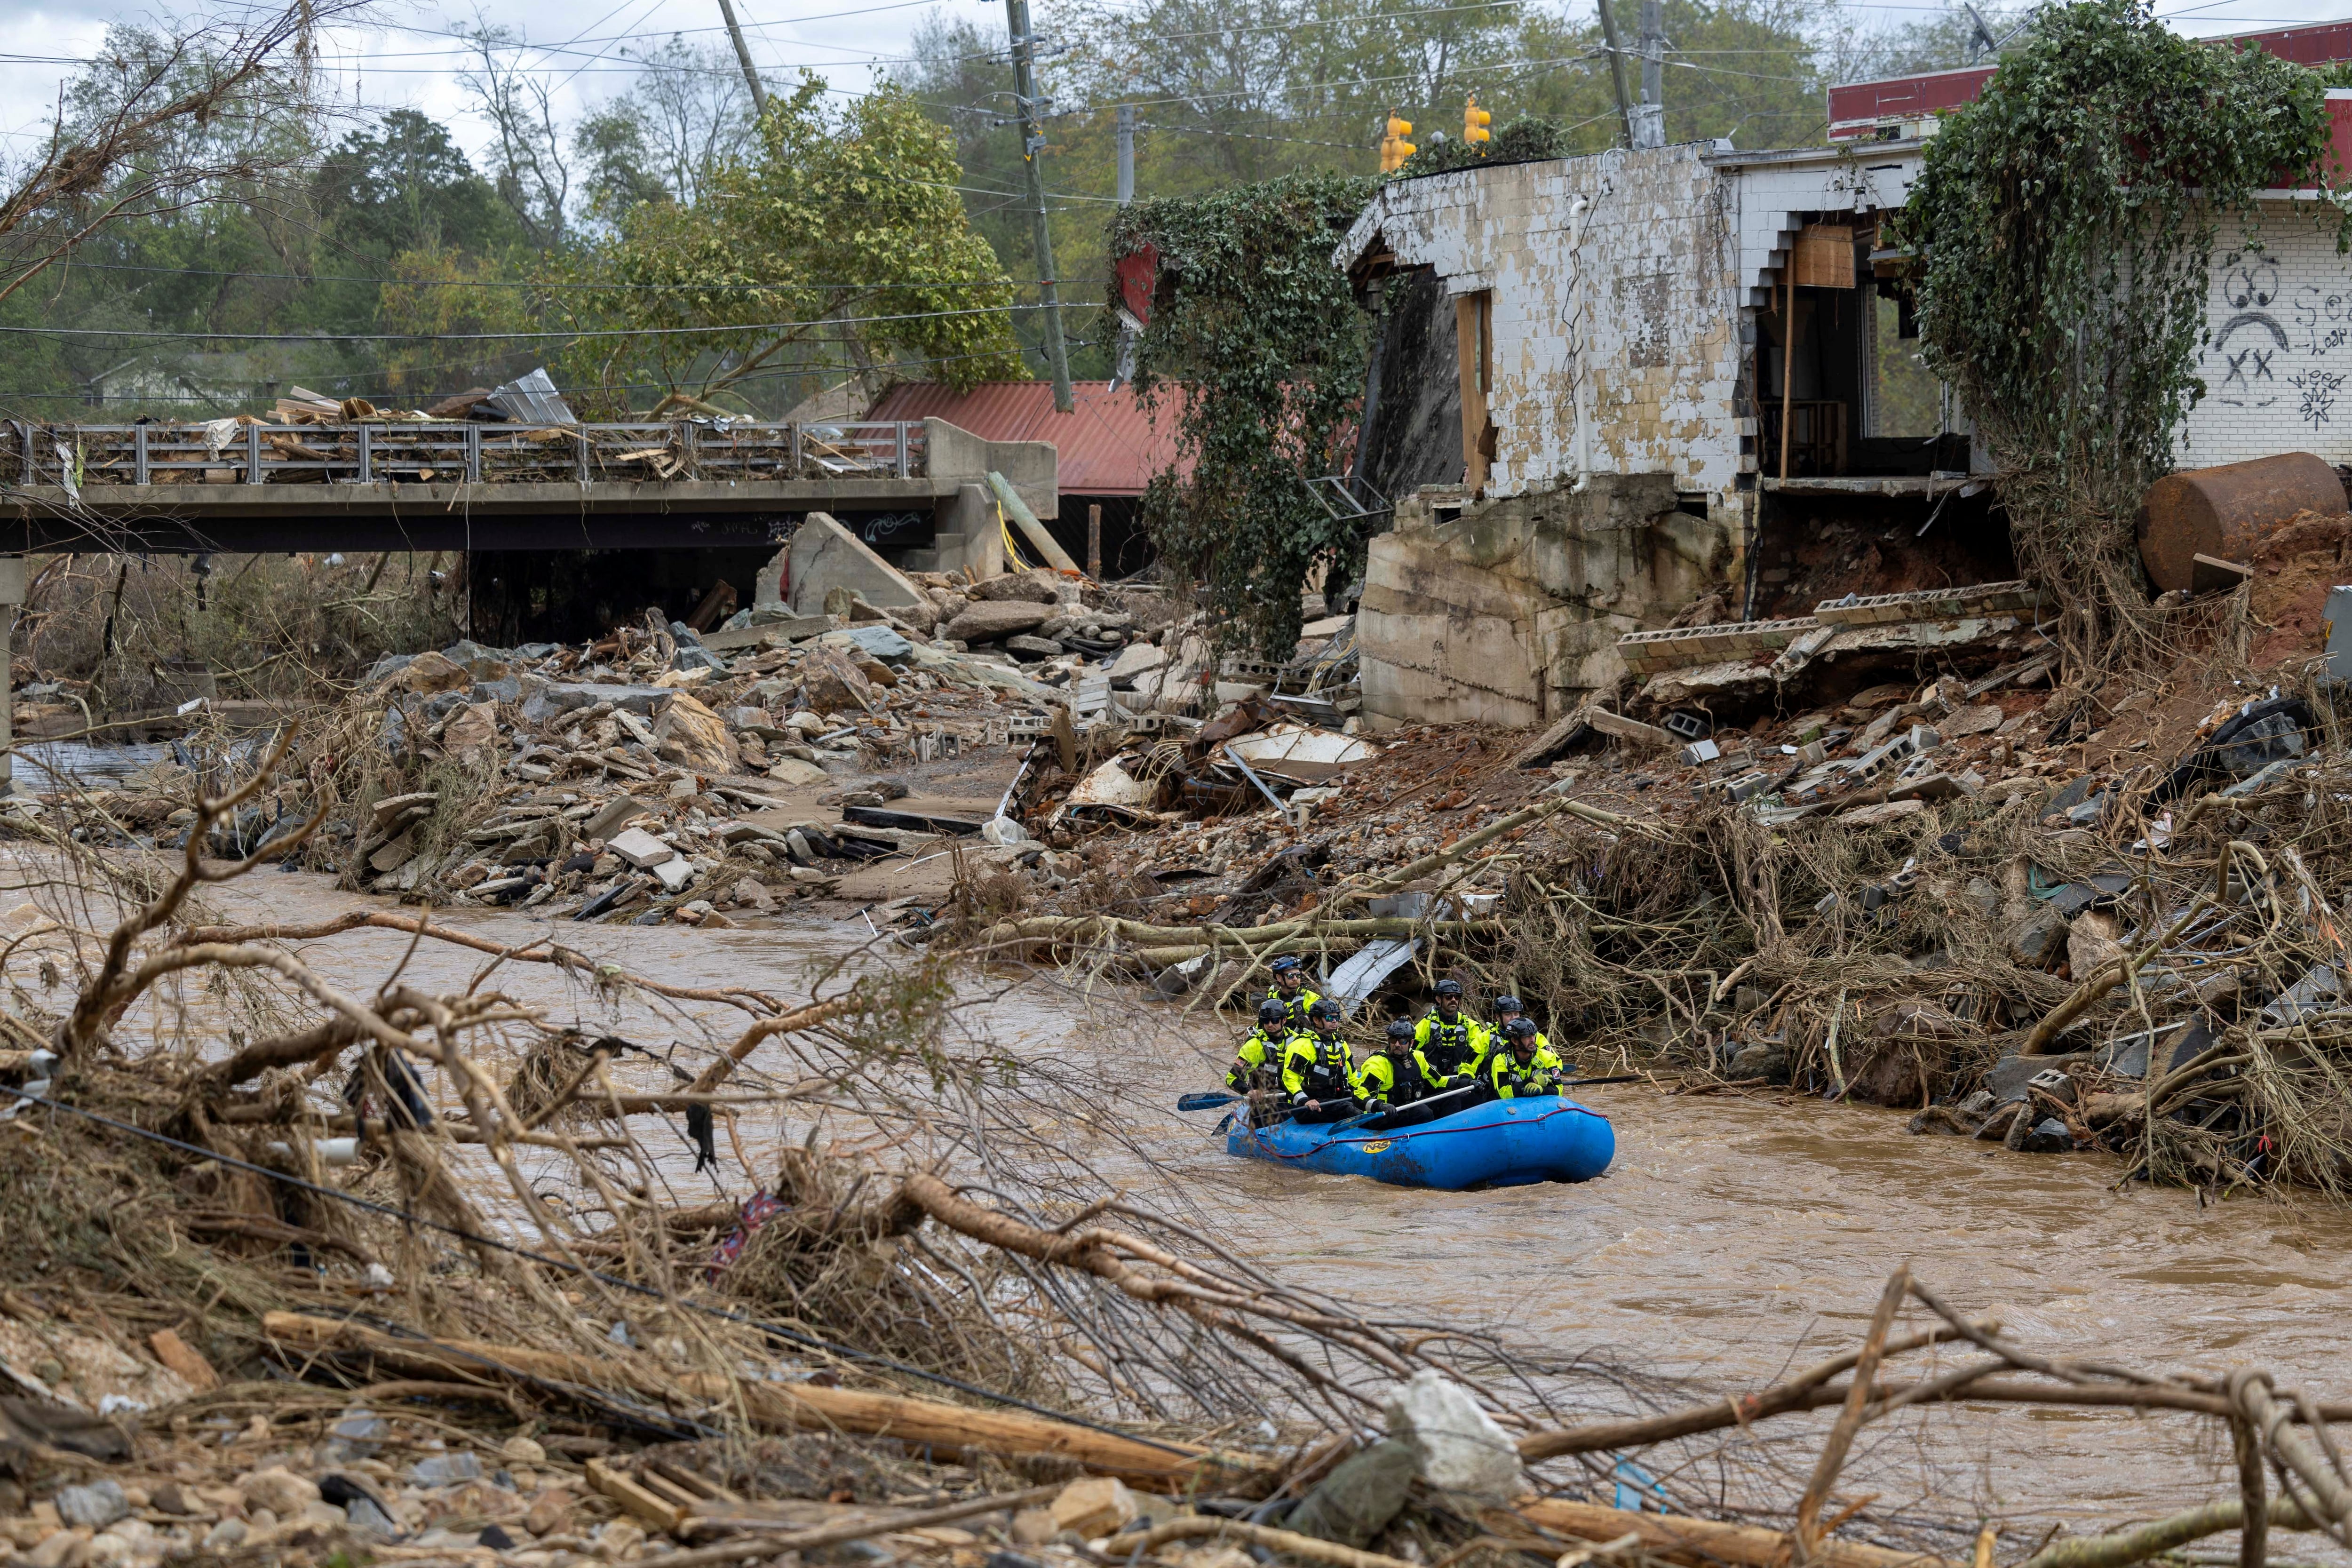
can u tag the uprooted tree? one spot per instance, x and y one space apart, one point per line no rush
2067 221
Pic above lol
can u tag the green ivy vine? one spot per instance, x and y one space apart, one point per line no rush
1256 346
2068 221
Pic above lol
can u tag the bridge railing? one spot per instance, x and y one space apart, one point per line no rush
253 453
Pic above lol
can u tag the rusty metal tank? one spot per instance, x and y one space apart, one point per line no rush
2228 512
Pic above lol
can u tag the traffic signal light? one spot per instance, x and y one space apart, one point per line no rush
1475 121
1394 148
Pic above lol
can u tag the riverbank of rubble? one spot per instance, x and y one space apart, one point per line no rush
1979 892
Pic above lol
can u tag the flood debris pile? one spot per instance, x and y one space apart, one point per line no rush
298 1272
303 1271
2043 913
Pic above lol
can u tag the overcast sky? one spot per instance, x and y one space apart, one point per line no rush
410 59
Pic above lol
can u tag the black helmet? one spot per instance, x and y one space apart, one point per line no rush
1283 964
1325 1009
1398 1030
1272 1011
1509 1004
1450 989
1521 1028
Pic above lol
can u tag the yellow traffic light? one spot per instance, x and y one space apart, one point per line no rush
1475 121
1394 148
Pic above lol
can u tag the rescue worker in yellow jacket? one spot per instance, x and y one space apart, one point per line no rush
1449 1045
1508 1008
1389 1078
1522 1066
1318 1068
1290 989
1257 1061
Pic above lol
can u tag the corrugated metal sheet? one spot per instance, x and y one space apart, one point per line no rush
1108 445
532 399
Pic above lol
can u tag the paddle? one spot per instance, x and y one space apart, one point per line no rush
1208 1100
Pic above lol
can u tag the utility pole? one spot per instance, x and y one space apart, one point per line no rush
1650 116
743 53
1033 142
1126 154
1617 70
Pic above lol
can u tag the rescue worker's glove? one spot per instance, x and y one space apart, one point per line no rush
1380 1108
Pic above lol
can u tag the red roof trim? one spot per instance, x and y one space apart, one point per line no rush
1862 107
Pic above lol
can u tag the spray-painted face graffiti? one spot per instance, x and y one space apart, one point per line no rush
2242 355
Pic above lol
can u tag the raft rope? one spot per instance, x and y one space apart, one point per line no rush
1406 1133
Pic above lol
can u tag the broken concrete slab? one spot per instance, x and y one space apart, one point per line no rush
1134 660
792 629
558 698
1619 727
641 849
988 620
1927 605
1677 648
825 556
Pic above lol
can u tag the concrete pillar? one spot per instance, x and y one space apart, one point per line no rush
11 594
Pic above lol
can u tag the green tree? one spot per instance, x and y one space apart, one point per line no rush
404 184
840 245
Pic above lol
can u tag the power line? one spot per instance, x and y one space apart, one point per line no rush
551 288
513 337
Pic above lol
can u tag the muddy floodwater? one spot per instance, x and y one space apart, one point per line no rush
1733 1238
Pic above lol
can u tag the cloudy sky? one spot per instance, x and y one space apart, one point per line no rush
409 57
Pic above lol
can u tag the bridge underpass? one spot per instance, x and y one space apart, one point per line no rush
536 512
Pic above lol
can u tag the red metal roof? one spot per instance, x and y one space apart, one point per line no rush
1108 445
1862 107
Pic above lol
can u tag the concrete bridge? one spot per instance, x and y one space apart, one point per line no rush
230 488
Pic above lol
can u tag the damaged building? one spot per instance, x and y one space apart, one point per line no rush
1617 393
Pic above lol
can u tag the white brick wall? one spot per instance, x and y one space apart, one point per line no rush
2277 368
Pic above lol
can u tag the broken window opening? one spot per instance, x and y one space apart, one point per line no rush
1474 323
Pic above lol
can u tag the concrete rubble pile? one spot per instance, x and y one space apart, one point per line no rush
663 773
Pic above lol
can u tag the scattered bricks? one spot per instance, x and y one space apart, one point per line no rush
1916 741
1699 752
1689 726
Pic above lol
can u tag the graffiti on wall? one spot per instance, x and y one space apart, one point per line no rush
2279 345
2248 350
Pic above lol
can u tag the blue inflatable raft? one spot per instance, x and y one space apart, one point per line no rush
1502 1143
